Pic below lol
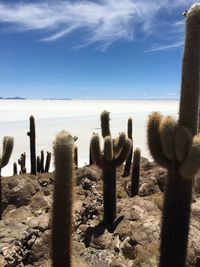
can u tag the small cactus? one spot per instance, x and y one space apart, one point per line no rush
48 161
8 143
129 159
62 200
135 177
15 172
22 163
76 157
115 152
42 161
38 164
31 134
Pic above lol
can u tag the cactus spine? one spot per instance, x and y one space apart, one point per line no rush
177 147
31 134
129 159
135 177
115 152
8 143
62 200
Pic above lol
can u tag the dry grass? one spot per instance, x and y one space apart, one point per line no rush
158 199
147 256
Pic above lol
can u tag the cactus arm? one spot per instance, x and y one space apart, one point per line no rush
105 124
167 131
124 152
119 143
191 165
154 139
108 148
8 143
183 142
96 152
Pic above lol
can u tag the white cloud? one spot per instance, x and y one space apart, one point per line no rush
165 47
105 20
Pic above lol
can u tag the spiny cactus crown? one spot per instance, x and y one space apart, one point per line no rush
169 142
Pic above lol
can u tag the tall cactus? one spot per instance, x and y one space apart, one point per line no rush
115 152
8 143
175 146
62 200
31 134
129 159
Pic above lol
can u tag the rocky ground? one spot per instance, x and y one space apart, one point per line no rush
25 231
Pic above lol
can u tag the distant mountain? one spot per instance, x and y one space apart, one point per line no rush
56 99
14 98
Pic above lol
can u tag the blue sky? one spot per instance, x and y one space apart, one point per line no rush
104 49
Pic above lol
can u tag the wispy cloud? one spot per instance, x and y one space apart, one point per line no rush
165 47
105 21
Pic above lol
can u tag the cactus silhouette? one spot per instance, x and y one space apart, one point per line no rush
176 146
42 161
135 176
38 164
8 143
62 200
129 159
15 172
22 163
48 161
115 152
31 134
76 157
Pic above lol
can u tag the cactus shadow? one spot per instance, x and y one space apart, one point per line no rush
99 230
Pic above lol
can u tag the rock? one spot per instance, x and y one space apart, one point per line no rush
132 241
92 173
19 189
128 249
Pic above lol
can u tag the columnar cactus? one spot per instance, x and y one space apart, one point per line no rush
38 164
31 134
115 152
76 157
129 159
22 163
175 146
62 200
8 143
135 176
42 161
48 161
15 172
